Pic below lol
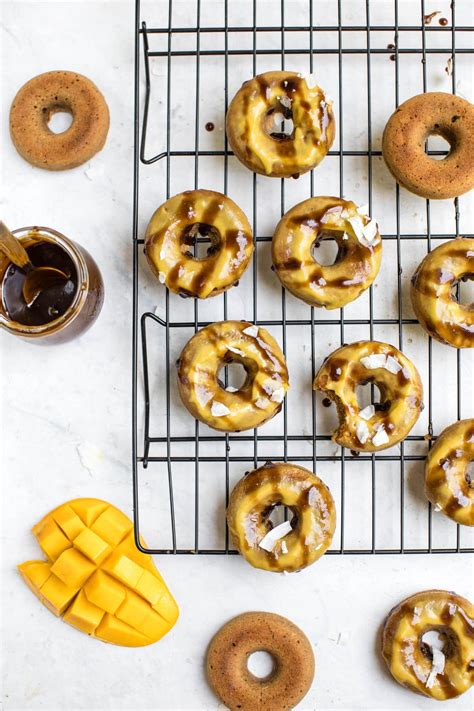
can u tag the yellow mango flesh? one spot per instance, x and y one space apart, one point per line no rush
96 578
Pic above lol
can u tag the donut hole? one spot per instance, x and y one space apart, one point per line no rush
463 291
437 146
204 240
233 375
278 123
261 664
59 120
326 249
368 392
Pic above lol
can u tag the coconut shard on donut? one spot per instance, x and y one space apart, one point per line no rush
280 124
405 135
428 644
227 663
45 95
379 425
304 228
180 224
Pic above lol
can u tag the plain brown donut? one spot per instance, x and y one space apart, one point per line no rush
236 686
45 95
403 145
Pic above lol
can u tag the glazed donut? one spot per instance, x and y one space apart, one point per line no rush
227 663
305 539
448 484
380 425
205 396
357 262
432 298
260 108
173 230
414 657
45 95
403 145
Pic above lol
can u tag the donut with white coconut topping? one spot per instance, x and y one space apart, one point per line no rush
379 425
295 256
280 124
295 543
428 644
184 221
222 406
433 296
448 484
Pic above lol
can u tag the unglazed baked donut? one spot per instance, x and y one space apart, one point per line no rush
434 304
173 230
380 425
403 145
258 110
205 396
448 484
357 262
227 663
45 95
313 517
415 658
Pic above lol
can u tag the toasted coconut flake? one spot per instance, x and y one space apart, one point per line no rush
362 432
278 395
268 542
367 413
261 403
373 361
236 351
218 409
363 210
380 438
251 331
392 365
162 277
232 389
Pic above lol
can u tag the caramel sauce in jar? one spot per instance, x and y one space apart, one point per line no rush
62 310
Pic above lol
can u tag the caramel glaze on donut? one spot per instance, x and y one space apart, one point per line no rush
403 145
205 395
401 391
45 95
227 663
447 483
313 516
357 262
173 230
434 304
259 146
410 660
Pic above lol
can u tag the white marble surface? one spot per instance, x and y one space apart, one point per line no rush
66 433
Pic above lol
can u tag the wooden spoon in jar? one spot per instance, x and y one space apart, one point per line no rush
37 278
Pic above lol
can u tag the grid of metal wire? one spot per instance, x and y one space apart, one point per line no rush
148 325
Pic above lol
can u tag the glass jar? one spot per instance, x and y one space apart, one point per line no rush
87 298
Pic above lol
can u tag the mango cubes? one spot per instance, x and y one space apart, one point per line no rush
96 578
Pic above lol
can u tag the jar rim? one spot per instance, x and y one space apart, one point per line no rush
80 296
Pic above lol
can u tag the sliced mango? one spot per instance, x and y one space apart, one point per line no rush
96 577
92 545
83 615
52 540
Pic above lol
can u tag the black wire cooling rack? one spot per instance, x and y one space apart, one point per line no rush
149 327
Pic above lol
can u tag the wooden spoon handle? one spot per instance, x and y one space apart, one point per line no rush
12 247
